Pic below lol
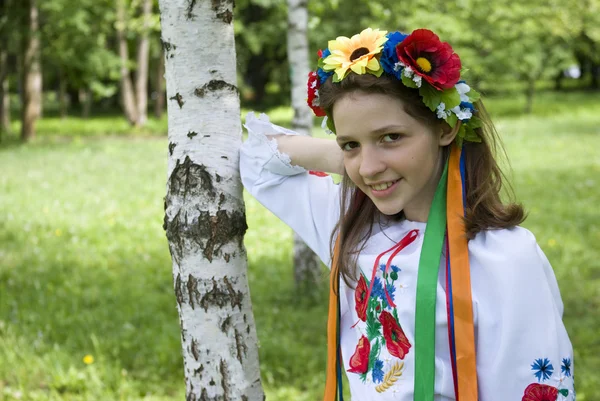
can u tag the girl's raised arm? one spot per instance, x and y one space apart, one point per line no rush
311 153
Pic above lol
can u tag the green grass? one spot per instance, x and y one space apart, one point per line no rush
85 267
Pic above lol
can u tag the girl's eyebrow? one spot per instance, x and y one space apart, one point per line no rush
378 131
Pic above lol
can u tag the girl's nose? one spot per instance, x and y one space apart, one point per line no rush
370 163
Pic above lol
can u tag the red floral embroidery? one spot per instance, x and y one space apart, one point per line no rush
360 296
318 173
430 58
540 392
313 94
395 340
359 362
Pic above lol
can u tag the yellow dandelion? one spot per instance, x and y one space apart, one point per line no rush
552 242
357 53
88 359
58 232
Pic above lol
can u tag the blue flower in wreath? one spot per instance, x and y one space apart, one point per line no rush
566 366
542 369
389 57
323 75
378 371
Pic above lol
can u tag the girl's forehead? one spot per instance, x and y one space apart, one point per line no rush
365 114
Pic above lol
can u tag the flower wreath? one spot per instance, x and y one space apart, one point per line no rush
419 60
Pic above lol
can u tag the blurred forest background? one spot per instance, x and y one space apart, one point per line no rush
87 310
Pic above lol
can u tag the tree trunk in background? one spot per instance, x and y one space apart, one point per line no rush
204 219
127 96
4 93
62 95
31 70
307 266
159 86
85 100
143 54
529 93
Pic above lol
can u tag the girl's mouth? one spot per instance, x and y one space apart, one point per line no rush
383 189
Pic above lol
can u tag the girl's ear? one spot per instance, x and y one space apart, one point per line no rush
448 134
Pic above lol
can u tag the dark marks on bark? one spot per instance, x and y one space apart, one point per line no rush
221 229
171 147
221 294
225 380
213 86
191 134
223 10
226 324
178 292
192 286
195 350
240 346
168 47
188 11
178 98
226 16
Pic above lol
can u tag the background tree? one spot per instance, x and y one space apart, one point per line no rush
204 210
307 265
31 71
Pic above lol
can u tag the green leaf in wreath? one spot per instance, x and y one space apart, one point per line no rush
408 82
452 120
431 96
473 95
450 97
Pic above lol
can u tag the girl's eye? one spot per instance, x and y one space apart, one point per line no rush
349 146
391 137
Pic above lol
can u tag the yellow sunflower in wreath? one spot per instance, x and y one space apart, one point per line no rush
357 53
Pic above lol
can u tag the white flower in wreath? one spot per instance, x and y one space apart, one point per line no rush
462 114
441 111
462 90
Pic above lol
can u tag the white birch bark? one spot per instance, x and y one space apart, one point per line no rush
204 210
307 266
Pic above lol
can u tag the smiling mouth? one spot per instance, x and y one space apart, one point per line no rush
383 186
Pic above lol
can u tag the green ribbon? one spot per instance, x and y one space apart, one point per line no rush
429 264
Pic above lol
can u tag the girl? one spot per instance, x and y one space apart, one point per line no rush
436 292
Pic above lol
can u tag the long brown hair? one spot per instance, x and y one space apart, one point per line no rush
484 178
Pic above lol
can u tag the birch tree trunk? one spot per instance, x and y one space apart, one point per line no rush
4 93
141 81
204 210
307 266
32 73
127 95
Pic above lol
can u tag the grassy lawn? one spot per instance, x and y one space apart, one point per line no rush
85 268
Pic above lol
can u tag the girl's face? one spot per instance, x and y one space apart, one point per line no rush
393 158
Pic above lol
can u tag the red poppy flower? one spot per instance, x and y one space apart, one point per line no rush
540 392
313 94
360 296
430 58
395 340
359 362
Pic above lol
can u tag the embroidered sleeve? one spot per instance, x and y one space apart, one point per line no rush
308 202
523 349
